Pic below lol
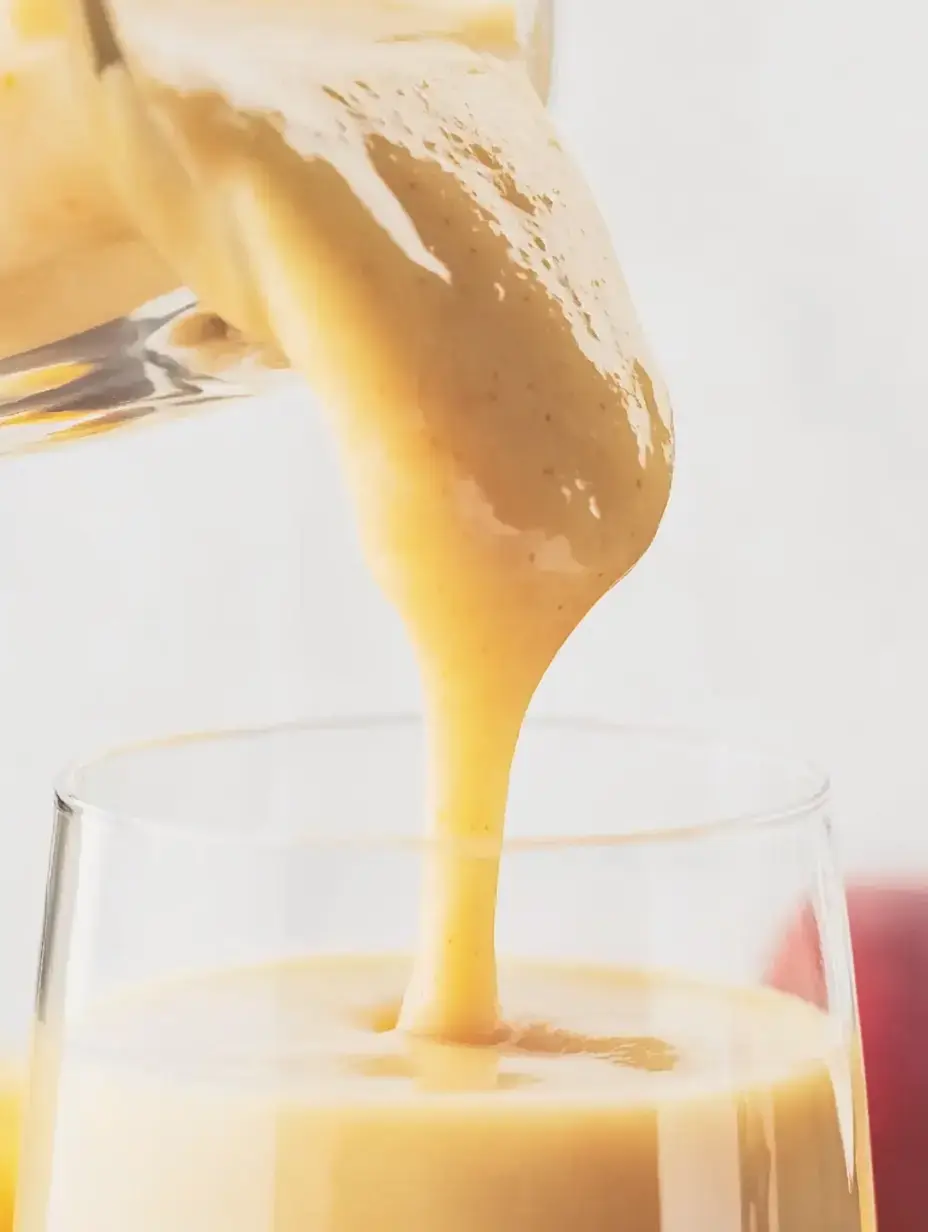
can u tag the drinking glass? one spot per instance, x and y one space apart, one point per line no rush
182 1074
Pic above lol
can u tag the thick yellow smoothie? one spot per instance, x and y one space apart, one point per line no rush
277 1099
372 191
376 191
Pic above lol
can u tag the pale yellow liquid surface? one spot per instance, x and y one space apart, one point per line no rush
275 1099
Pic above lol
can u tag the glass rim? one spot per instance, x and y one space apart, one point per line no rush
810 794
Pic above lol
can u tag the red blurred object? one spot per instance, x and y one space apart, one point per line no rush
889 931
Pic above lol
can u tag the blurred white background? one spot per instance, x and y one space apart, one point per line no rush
765 171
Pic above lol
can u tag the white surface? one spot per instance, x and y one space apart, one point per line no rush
764 168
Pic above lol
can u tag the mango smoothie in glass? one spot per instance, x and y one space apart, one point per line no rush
264 1004
232 927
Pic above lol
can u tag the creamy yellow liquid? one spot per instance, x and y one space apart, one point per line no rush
383 198
70 254
276 1100
375 191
